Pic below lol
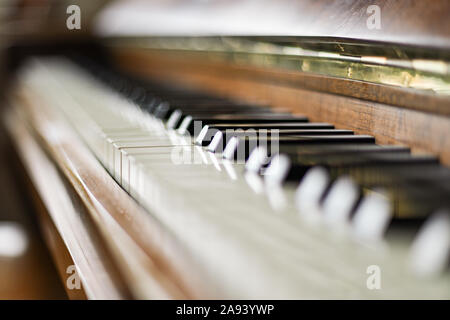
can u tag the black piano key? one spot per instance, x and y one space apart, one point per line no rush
243 146
264 116
276 115
259 129
354 164
408 199
194 126
204 139
436 174
412 201
165 110
341 148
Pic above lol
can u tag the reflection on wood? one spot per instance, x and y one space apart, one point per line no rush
65 226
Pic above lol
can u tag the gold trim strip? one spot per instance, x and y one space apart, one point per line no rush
430 76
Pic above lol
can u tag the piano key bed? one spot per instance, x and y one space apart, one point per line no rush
266 203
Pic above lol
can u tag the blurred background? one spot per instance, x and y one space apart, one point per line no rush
27 270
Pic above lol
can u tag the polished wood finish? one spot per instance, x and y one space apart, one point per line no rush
408 22
393 115
30 274
57 247
65 225
141 60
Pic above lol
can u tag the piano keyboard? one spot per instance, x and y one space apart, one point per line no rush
269 204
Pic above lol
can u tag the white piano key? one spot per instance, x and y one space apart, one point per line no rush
277 197
230 169
230 148
256 160
310 191
173 119
116 159
182 129
255 181
277 170
215 161
430 251
215 142
372 216
202 135
340 200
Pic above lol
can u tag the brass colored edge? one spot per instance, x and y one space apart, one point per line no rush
425 75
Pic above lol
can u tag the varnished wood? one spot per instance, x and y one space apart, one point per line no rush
348 107
30 274
64 224
141 60
58 249
410 22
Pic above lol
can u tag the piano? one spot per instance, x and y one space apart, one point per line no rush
242 150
